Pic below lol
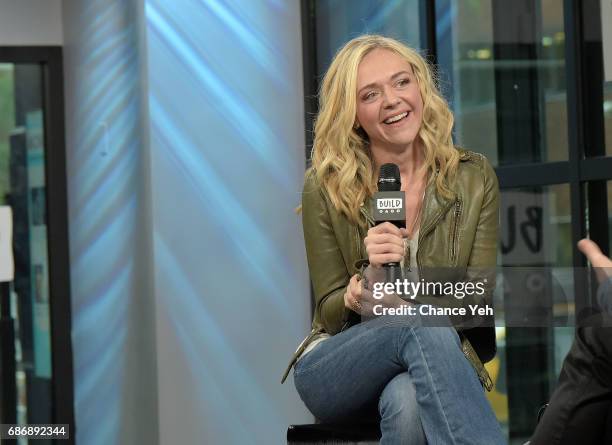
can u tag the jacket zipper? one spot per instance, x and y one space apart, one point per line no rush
455 230
358 242
408 255
367 216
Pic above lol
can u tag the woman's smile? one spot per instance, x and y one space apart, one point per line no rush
397 120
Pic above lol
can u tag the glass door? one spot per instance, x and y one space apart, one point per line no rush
32 183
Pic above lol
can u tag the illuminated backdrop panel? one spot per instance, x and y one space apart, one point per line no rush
227 146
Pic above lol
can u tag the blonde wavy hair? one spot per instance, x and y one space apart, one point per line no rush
341 158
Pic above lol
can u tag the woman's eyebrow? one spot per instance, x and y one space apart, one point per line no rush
373 84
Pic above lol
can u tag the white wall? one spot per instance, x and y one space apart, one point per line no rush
31 22
113 309
227 166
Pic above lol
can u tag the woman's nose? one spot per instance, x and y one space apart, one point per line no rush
390 99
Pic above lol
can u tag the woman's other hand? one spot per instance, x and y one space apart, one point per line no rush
352 295
385 244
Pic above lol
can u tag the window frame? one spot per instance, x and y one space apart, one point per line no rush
50 58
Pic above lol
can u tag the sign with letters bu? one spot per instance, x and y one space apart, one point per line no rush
528 236
7 268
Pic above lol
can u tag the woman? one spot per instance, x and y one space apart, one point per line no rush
379 104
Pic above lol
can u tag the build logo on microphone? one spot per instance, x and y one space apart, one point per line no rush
389 205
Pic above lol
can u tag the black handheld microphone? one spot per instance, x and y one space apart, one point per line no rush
388 205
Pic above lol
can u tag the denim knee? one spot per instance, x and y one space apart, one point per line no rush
442 339
444 336
400 419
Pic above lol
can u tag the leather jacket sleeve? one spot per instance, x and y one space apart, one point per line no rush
328 271
484 249
482 258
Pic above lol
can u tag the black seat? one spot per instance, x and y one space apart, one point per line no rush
325 433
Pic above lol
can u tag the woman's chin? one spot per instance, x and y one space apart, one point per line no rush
399 144
401 138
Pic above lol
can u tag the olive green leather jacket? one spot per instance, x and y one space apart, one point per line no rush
458 240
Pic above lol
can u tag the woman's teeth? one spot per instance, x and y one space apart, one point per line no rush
394 119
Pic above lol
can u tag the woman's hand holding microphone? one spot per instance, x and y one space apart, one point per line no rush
384 244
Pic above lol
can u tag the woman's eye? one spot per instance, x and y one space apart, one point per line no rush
403 82
369 96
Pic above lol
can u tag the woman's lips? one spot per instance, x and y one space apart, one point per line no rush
399 122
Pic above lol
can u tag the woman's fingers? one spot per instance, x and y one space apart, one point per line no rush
384 244
384 253
355 287
377 249
385 227
352 296
383 239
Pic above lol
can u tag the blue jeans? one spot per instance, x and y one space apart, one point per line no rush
416 377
